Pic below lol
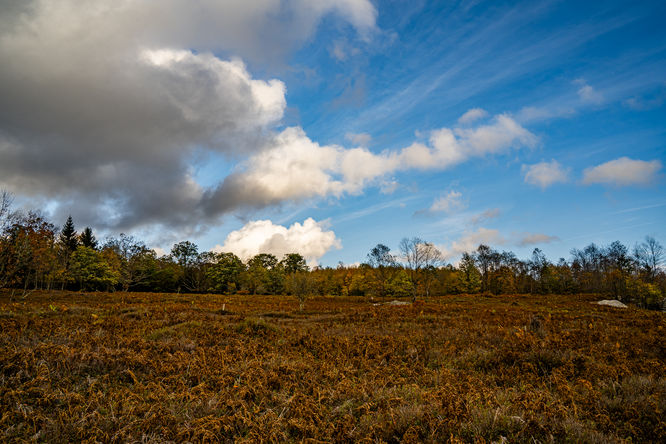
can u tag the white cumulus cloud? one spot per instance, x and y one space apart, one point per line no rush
294 167
472 115
623 172
545 174
311 239
449 203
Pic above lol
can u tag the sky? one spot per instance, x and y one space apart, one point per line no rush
325 127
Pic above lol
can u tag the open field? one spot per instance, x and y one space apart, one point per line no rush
164 367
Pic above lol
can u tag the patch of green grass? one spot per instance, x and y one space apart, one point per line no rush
256 327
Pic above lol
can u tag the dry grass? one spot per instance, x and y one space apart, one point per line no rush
154 367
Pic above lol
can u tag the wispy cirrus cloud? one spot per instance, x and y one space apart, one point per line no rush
485 216
527 239
477 56
470 241
587 94
360 139
648 101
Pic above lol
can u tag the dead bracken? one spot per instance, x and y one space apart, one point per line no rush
164 367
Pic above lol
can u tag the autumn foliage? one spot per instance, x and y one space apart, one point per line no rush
35 255
156 367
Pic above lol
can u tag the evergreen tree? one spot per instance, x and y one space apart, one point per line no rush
68 236
87 238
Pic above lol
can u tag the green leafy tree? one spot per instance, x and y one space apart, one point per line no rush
137 263
196 277
617 266
644 294
186 255
384 266
256 277
167 275
90 270
225 272
470 277
485 257
294 263
264 275
327 281
400 285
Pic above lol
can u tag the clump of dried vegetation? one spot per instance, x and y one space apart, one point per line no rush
157 367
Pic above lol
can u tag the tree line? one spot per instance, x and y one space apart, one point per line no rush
35 254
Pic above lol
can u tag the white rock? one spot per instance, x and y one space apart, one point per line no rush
612 303
394 302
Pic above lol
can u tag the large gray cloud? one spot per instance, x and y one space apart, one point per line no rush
105 103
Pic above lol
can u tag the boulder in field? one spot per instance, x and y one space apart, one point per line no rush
398 303
394 302
612 303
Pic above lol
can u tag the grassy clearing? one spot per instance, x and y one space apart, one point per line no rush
155 367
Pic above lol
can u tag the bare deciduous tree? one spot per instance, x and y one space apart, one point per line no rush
650 256
6 200
301 285
421 258
5 206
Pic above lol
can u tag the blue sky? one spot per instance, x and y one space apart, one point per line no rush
432 62
565 143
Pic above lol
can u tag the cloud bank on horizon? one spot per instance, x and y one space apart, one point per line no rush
109 110
310 239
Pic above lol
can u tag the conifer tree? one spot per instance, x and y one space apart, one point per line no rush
87 238
68 236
